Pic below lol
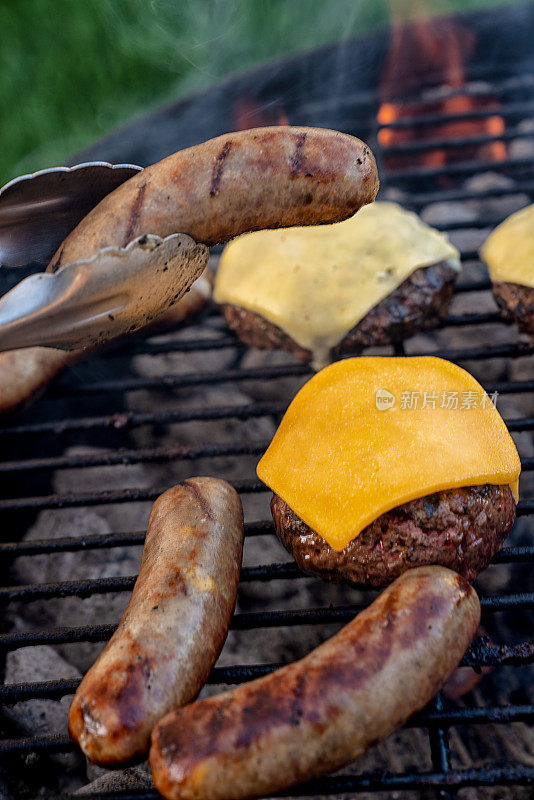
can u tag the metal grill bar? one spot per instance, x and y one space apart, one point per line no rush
472 286
183 381
458 320
98 541
367 101
15 693
423 199
145 455
65 389
108 497
496 776
181 345
510 775
481 223
439 745
86 588
178 345
231 676
454 144
242 622
481 354
263 572
241 673
128 420
463 169
525 508
504 110
469 256
78 588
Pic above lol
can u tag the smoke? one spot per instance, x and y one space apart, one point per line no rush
73 71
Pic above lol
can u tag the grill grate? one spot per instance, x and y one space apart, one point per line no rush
60 419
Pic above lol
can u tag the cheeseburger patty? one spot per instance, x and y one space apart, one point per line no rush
419 303
460 528
516 303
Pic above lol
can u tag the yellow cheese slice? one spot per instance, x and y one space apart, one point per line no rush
509 250
318 282
368 434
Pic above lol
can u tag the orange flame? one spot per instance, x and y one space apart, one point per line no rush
430 53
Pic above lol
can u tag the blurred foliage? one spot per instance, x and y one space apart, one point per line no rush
71 70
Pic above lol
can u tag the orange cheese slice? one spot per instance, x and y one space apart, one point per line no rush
365 435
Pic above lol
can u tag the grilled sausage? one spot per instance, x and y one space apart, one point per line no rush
260 178
25 374
244 181
320 713
173 627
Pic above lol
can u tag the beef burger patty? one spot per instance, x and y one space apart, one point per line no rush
516 303
419 303
459 528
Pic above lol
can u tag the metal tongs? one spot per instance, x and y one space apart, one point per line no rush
87 302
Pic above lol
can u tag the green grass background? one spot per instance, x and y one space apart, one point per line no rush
71 70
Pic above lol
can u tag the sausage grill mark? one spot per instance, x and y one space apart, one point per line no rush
56 263
218 168
299 700
134 214
200 499
297 158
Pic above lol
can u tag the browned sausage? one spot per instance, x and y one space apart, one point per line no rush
244 181
25 374
320 713
174 625
260 178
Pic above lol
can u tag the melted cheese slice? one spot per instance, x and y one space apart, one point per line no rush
509 250
348 450
318 282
